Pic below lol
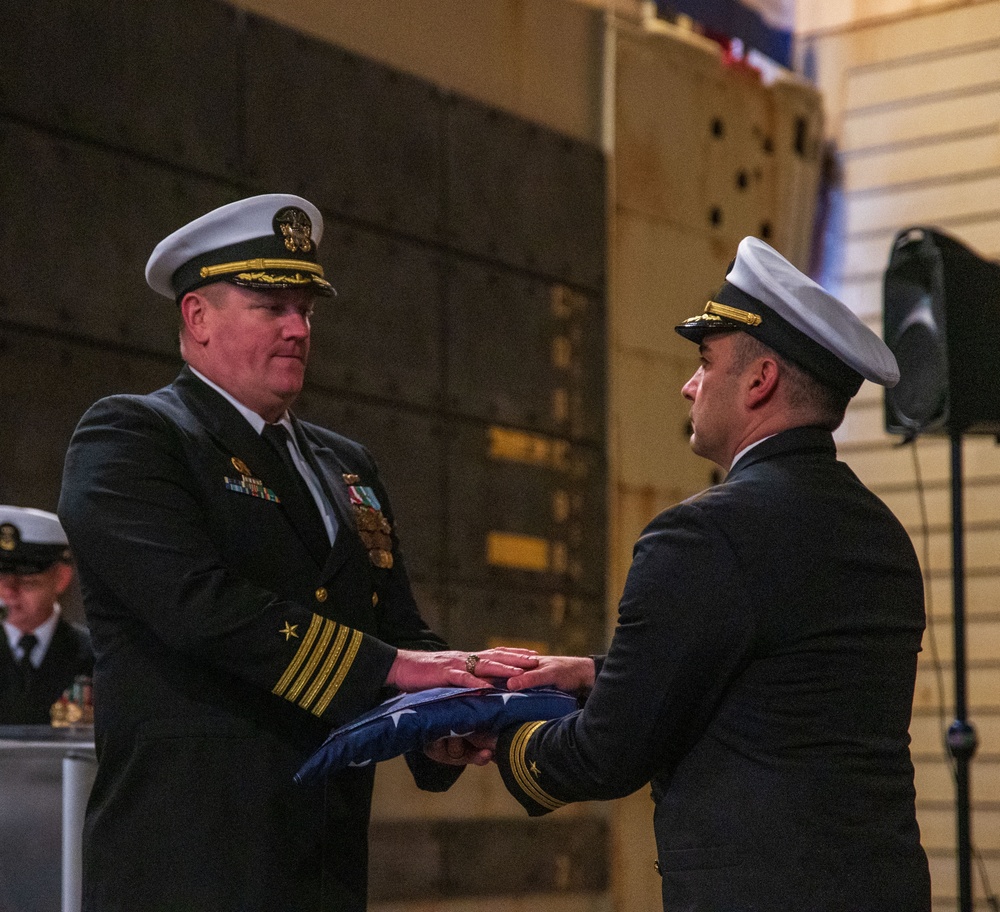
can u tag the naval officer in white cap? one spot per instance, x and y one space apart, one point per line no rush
761 673
44 653
246 593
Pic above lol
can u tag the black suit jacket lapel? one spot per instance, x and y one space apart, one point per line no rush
235 434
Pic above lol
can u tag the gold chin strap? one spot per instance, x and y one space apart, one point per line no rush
733 313
260 265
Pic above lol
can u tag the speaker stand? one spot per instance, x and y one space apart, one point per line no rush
961 734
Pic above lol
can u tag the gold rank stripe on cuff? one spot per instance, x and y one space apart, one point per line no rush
522 774
329 647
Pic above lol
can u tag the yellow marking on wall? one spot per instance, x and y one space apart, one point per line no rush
521 552
562 352
532 449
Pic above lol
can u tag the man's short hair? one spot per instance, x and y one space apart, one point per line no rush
806 393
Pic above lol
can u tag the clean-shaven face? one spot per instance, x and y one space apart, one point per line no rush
258 344
713 391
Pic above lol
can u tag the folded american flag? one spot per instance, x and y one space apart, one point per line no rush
411 720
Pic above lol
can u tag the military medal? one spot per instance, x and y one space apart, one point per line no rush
374 529
247 484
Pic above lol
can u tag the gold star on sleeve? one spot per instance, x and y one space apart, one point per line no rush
320 664
525 774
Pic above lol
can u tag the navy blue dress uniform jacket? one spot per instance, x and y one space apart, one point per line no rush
229 639
68 656
761 678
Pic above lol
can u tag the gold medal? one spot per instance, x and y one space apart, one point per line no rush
241 466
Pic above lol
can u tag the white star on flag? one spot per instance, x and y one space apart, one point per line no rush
506 695
403 712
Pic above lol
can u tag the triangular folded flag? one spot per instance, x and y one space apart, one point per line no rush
411 720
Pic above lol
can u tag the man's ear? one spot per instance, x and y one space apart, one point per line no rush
64 576
762 383
194 309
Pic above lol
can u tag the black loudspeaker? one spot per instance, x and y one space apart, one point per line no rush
941 319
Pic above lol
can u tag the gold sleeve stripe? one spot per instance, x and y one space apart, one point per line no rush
300 656
328 664
519 767
345 667
329 627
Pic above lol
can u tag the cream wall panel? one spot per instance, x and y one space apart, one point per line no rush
980 503
875 466
927 121
869 256
936 72
930 202
836 55
980 549
635 851
665 274
863 294
864 422
650 423
933 778
539 59
947 157
813 15
981 591
982 639
662 126
713 150
983 686
937 828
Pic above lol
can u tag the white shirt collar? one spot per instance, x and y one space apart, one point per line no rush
747 449
44 632
256 422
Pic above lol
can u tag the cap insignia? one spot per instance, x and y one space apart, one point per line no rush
733 313
295 227
8 537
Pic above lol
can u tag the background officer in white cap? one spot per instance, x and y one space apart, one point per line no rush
761 674
244 586
43 653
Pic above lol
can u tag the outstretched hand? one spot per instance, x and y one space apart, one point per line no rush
413 670
569 673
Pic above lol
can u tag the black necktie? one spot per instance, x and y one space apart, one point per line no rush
277 436
27 642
